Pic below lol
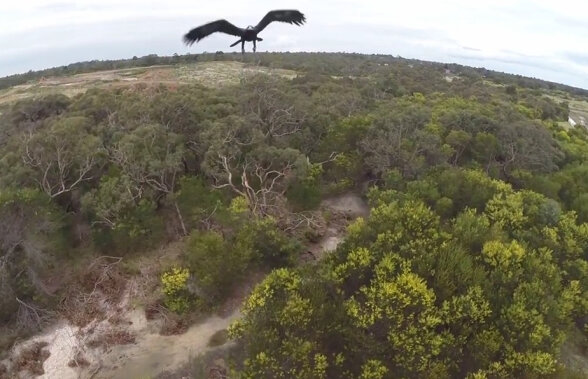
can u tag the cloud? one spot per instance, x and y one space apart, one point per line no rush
64 6
576 57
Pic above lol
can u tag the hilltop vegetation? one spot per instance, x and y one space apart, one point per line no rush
473 262
325 63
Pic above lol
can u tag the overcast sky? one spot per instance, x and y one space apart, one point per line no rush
546 39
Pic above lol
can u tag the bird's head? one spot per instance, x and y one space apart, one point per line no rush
249 27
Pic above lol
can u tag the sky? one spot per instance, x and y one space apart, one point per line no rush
545 39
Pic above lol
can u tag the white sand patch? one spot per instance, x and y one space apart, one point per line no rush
62 342
62 345
330 243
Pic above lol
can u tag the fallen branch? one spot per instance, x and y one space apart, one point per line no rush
29 316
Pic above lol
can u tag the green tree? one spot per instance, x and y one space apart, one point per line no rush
30 236
151 157
215 263
62 156
459 141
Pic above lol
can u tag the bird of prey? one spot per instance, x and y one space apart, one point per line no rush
249 34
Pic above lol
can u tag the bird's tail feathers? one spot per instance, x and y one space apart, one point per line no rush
236 42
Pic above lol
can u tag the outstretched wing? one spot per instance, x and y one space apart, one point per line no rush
205 30
290 16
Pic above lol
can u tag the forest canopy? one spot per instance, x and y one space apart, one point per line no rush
472 263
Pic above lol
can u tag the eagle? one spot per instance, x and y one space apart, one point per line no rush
248 34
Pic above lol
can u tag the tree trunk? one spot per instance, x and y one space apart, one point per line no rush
180 218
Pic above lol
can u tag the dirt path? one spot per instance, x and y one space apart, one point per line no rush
150 354
351 204
573 357
153 353
348 207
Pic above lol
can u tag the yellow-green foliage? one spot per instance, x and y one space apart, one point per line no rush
175 289
500 255
489 292
528 112
507 210
174 280
239 205
373 369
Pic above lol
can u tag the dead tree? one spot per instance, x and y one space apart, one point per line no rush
274 115
261 183
59 168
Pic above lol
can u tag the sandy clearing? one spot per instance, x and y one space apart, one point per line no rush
211 74
154 353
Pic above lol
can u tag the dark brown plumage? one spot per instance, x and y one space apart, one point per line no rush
249 34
